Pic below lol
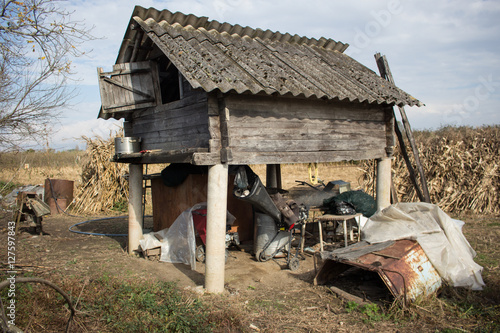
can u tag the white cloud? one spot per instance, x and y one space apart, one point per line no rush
70 135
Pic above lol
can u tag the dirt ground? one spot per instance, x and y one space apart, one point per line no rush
260 285
272 297
259 288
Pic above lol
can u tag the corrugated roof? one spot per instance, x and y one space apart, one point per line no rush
203 22
213 55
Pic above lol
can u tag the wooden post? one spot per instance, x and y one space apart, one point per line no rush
216 228
383 191
135 222
411 171
273 176
385 72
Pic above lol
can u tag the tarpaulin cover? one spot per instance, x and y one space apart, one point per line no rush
178 245
359 200
439 236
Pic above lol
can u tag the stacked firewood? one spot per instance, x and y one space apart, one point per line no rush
103 181
461 165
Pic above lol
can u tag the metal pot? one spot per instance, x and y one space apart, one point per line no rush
127 145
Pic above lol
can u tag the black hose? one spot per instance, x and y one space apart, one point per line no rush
4 284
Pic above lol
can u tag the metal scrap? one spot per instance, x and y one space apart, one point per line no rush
402 265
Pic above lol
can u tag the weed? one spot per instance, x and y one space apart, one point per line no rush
351 306
147 307
7 187
71 262
120 206
372 311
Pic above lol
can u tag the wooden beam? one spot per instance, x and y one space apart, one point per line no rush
225 152
385 72
160 156
411 170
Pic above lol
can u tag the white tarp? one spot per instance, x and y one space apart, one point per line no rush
440 237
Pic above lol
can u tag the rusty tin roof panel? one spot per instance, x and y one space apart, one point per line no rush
402 265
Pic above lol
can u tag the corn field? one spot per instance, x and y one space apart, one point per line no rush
461 167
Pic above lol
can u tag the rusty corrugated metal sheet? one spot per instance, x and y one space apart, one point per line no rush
402 265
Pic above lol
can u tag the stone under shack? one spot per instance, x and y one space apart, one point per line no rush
215 94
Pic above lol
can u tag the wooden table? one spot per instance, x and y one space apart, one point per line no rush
337 218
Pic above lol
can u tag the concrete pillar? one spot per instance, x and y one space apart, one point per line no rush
383 190
135 221
216 228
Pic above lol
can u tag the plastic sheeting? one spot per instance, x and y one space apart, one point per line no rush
440 237
178 245
150 241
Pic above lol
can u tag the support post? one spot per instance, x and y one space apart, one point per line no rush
273 176
135 220
383 191
216 228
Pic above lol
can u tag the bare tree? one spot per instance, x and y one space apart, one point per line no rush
38 40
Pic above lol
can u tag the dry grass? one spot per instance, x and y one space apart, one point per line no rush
103 183
290 173
33 167
461 166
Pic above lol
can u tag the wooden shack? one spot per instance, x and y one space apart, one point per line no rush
209 93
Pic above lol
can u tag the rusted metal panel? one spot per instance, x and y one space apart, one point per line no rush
402 265
58 194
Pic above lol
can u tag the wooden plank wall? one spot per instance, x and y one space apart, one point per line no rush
266 129
170 202
177 125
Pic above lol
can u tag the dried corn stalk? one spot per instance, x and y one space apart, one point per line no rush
103 182
461 166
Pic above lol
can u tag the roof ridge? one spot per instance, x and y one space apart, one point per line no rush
203 22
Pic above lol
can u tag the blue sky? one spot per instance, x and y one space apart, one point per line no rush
445 53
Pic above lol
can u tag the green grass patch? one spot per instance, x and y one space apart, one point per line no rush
372 312
110 304
146 307
7 187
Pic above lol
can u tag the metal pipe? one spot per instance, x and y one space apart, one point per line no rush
383 191
135 221
216 228
271 176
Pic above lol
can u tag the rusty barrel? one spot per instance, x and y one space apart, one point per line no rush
60 190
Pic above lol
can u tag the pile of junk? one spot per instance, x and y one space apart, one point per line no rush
277 227
406 249
277 220
410 249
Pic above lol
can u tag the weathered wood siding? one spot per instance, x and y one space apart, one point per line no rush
129 87
177 125
170 202
264 129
